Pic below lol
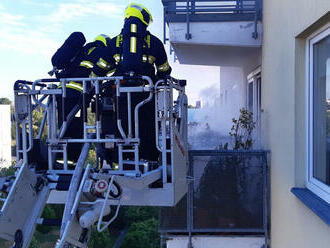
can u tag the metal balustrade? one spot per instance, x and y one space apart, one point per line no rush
228 193
187 11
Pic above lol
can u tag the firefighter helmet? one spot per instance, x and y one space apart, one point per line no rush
139 11
105 39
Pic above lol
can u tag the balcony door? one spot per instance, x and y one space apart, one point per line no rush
254 101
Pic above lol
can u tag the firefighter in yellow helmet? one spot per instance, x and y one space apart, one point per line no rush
75 60
135 50
139 11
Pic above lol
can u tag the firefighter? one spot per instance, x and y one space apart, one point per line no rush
80 66
136 51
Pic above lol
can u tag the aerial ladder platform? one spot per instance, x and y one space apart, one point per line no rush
92 193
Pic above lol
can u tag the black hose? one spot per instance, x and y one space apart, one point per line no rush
119 190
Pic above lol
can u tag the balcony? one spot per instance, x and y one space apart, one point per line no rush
213 22
228 195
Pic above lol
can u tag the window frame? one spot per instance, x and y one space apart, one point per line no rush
253 80
316 186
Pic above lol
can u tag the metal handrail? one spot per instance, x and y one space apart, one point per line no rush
101 228
194 8
237 5
55 134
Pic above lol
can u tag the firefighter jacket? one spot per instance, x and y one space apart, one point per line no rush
153 60
83 64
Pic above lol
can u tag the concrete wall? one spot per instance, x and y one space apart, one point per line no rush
5 136
217 33
216 242
197 54
284 102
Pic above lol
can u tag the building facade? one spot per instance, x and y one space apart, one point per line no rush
274 58
296 72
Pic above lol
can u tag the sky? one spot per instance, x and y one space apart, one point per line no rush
32 30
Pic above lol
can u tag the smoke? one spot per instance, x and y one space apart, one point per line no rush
222 93
209 126
210 96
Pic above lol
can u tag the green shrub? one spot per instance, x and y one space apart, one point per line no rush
99 240
49 213
137 214
8 171
34 243
241 130
142 234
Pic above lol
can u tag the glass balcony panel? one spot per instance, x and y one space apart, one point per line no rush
229 194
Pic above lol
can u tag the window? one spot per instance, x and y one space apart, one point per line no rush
318 173
254 102
254 93
250 97
259 92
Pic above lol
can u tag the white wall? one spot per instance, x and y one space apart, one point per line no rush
217 33
235 64
5 136
284 101
216 242
195 54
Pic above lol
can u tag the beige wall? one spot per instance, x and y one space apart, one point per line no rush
283 101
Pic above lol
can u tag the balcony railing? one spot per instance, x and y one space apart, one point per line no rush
228 193
211 11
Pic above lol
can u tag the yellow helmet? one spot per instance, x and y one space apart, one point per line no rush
139 11
103 38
